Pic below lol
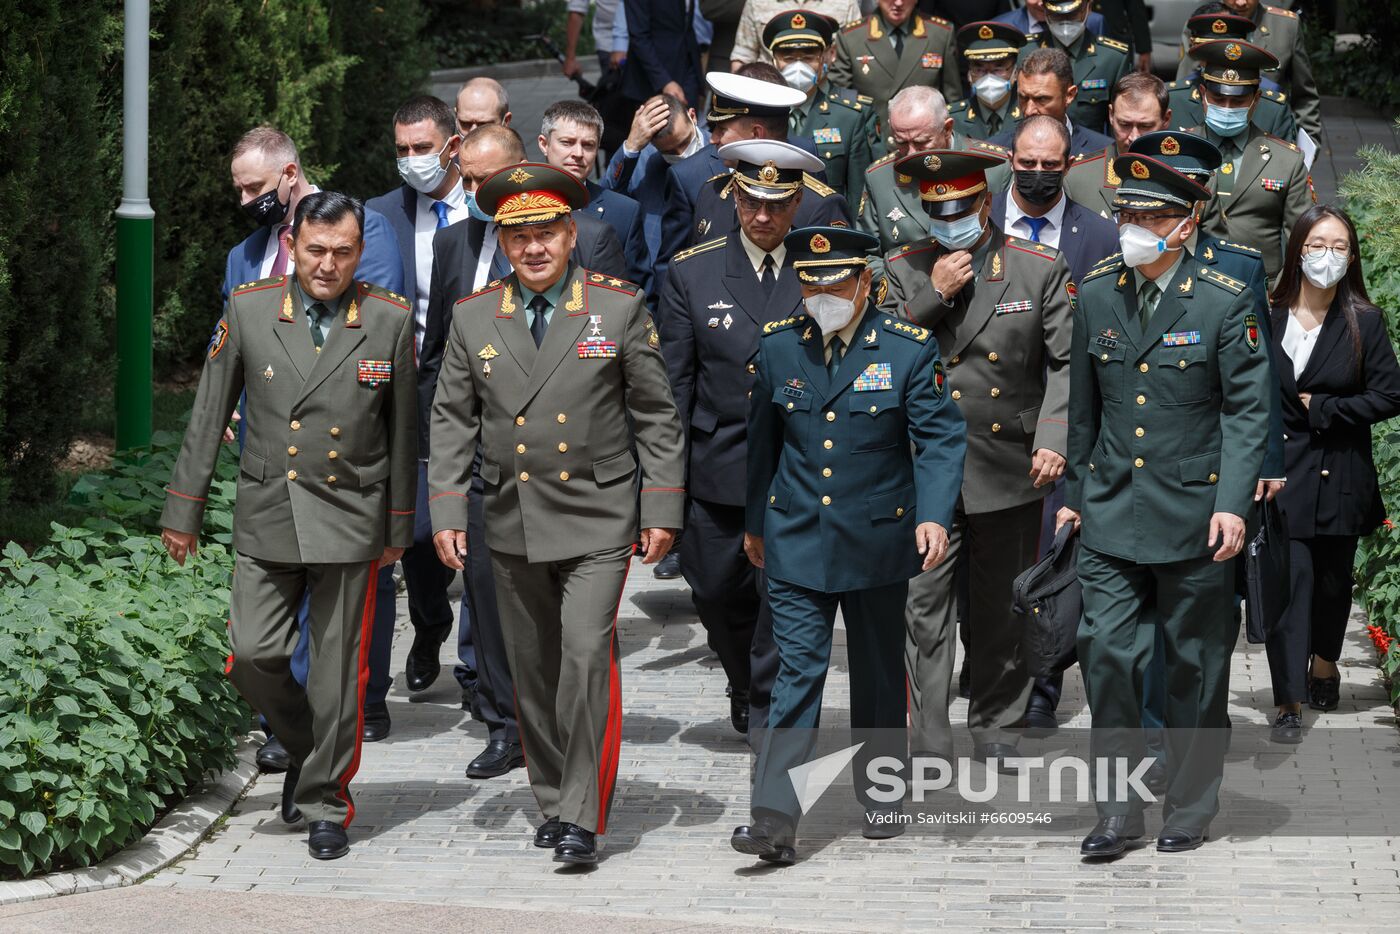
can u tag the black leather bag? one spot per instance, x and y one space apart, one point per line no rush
1268 573
1050 600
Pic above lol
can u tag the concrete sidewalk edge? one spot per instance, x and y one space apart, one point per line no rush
174 835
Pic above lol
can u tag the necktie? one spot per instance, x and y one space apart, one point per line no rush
766 277
1036 224
441 208
899 42
795 120
279 264
838 350
318 313
538 307
1150 294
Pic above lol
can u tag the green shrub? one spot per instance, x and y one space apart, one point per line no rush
113 698
1369 70
485 32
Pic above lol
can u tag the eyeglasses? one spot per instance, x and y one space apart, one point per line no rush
1317 251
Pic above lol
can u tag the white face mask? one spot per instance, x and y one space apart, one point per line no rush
831 312
1067 33
423 173
990 89
1326 270
1141 246
800 75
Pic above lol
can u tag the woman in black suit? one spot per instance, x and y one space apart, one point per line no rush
1339 377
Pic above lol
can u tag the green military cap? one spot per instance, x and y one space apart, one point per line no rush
769 169
827 255
988 41
1063 6
799 29
1192 155
1231 67
740 96
949 180
1151 185
1210 26
530 193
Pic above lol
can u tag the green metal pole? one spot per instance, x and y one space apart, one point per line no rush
135 240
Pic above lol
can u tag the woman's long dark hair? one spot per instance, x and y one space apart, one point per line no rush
1351 298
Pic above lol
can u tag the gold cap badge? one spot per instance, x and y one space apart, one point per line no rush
1170 147
1218 27
799 21
820 244
932 163
1139 170
985 32
1233 51
520 176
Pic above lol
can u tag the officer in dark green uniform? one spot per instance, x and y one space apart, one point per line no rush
895 48
1168 424
839 122
855 457
1272 114
1098 62
989 53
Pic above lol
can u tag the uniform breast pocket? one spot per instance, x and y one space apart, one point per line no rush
1108 369
875 420
796 404
1183 374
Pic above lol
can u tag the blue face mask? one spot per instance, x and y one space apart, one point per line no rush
959 234
1227 121
475 210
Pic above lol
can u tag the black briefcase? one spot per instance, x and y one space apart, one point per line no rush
1268 574
1049 598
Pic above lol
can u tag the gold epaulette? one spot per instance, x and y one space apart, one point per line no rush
959 106
259 284
699 248
491 286
905 329
853 24
612 282
849 102
1279 11
1240 248
1110 264
946 24
775 326
1042 250
1113 43
1215 277
714 178
1283 142
985 146
821 188
883 160
1277 96
393 298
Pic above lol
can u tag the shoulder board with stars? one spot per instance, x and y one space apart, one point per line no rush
612 283
259 284
1110 264
1282 142
905 329
772 327
699 248
821 188
981 145
1045 252
958 107
370 290
490 287
1113 43
852 25
938 20
1278 96
1217 278
883 160
846 100
1239 248
1279 11
1086 157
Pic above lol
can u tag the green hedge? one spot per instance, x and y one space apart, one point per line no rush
329 72
1373 198
1369 70
113 698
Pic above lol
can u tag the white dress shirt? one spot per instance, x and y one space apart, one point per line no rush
756 254
1298 342
424 226
489 244
270 251
1015 224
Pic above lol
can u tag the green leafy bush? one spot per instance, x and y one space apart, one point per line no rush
113 698
484 32
1369 70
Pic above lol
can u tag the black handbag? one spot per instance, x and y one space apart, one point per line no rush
1049 597
1268 574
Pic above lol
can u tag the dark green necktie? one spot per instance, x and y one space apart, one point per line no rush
1148 304
319 314
838 350
539 306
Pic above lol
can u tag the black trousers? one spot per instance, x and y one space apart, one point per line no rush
1316 619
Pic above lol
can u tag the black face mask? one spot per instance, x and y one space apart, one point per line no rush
1039 187
266 210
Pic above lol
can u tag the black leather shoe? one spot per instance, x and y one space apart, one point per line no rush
768 839
668 568
273 756
576 845
994 753
498 758
1040 717
290 812
1324 693
965 681
1287 729
376 724
1111 835
1180 840
1155 778
739 710
327 840
422 667
883 825
547 837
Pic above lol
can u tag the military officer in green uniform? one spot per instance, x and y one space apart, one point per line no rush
989 53
1263 185
555 373
326 489
1098 61
1279 32
890 206
893 48
855 455
840 123
1000 309
1168 425
1272 114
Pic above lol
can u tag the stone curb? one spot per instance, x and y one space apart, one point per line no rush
174 835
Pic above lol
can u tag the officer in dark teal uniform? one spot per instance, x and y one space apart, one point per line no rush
1271 114
1168 424
989 53
855 461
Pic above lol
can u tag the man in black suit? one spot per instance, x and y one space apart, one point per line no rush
431 197
466 256
663 56
1045 85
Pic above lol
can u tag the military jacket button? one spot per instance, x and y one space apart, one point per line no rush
830 416
993 356
826 471
291 475
1213 477
1142 367
562 418
564 475
332 455
827 444
1138 462
1139 431
524 476
563 447
1142 400
520 419
995 392
520 449
296 425
826 500
1326 473
335 432
996 426
331 479
956 395
292 450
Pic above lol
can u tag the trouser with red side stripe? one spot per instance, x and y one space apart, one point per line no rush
559 620
320 724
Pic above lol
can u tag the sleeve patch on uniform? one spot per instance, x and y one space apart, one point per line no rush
1251 331
218 339
938 378
1073 291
